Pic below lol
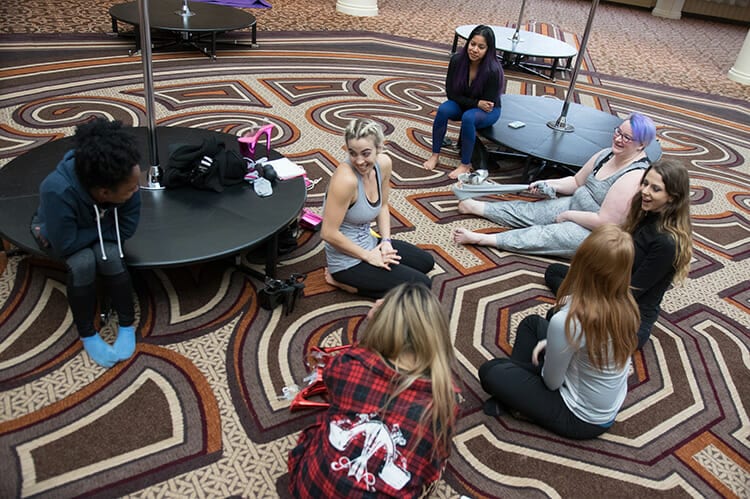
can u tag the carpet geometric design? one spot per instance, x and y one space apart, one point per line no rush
197 410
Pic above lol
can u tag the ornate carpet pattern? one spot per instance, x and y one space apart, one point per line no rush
196 411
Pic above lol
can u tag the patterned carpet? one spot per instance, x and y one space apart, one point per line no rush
196 411
629 42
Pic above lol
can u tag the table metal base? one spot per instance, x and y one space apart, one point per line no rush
200 30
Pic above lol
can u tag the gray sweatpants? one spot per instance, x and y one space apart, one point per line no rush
534 230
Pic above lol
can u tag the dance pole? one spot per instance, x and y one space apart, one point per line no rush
516 38
561 123
154 175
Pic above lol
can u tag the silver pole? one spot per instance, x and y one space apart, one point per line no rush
185 10
154 175
516 38
561 123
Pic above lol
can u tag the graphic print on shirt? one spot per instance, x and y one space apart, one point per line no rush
376 439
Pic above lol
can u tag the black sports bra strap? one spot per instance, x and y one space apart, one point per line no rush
602 161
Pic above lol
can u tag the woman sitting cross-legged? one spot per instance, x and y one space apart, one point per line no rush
570 375
659 220
387 431
358 193
599 193
474 84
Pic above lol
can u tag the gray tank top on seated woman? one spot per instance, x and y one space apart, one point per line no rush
590 196
356 225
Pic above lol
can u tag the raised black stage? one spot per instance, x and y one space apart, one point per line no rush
178 226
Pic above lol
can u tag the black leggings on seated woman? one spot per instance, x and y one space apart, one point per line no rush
517 384
374 282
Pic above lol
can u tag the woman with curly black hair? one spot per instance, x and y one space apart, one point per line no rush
88 206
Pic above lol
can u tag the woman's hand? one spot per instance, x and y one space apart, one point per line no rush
538 349
563 217
383 255
534 187
486 105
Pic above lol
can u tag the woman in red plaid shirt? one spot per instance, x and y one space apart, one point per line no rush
393 407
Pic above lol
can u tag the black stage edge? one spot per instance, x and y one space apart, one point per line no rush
178 226
593 132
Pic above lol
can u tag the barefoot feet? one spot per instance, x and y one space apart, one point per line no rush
471 207
465 236
336 284
431 162
462 168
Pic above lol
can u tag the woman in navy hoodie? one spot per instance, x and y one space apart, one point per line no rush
88 206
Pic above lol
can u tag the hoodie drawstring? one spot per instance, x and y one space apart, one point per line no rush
117 231
101 238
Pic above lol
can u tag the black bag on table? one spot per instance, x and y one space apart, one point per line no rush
207 166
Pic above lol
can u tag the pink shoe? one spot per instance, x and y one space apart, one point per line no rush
248 143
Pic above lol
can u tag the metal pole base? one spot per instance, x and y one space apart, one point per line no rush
185 10
561 125
153 180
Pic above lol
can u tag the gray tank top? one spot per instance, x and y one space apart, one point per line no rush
356 225
590 196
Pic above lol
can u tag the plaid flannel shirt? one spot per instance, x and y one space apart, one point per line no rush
356 450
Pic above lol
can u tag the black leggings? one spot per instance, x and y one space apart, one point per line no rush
83 268
517 384
374 282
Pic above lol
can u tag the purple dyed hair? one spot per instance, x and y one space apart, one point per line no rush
644 130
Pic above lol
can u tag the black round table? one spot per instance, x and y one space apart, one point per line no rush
593 130
207 21
178 226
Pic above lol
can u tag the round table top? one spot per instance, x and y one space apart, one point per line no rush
593 130
530 44
163 15
177 226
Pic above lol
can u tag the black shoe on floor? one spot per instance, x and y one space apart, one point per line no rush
492 407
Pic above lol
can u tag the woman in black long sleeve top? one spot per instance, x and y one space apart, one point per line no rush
473 85
659 219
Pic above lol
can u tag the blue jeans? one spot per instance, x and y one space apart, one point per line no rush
471 120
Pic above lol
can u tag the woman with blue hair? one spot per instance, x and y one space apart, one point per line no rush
473 85
599 193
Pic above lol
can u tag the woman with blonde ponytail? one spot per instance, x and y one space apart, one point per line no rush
393 407
570 374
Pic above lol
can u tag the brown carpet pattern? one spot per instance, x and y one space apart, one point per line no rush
196 411
628 42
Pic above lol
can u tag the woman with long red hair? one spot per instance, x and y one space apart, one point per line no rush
570 374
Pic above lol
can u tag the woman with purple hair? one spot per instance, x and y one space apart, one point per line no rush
473 85
599 193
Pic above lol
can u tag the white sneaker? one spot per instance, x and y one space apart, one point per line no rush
473 178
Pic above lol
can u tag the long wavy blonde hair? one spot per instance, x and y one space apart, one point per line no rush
410 329
674 218
598 289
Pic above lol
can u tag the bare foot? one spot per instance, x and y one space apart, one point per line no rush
462 168
336 284
465 236
471 207
431 162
